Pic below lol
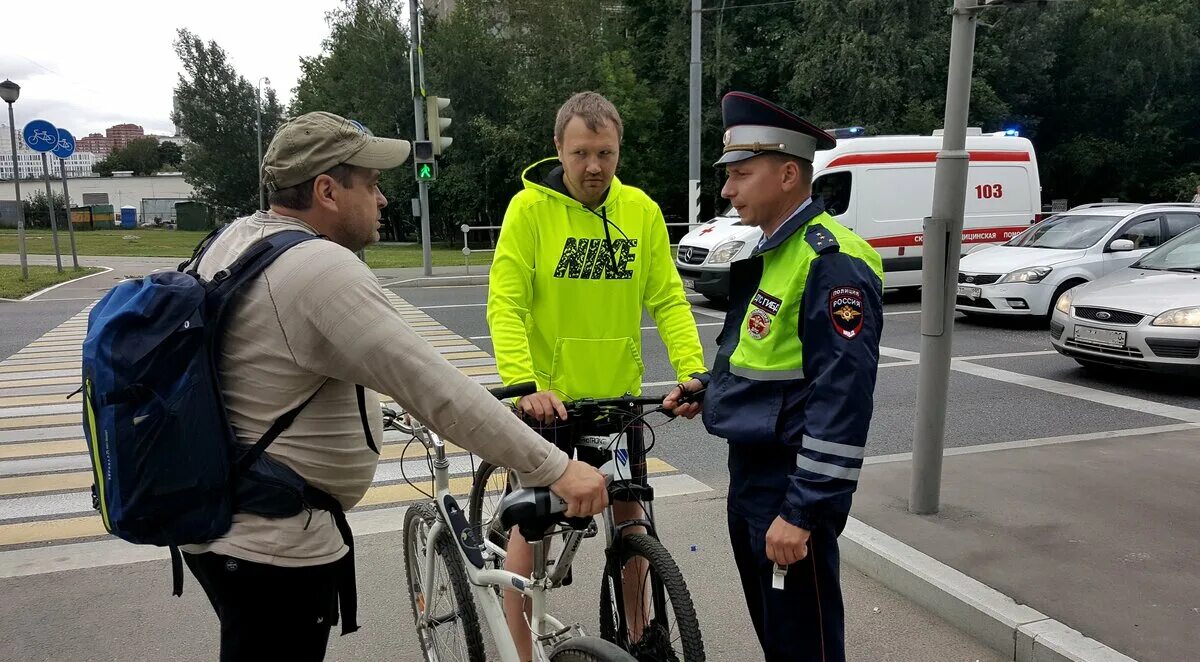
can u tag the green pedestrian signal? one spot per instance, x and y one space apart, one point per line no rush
424 162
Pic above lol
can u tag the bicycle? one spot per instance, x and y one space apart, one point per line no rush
671 631
445 568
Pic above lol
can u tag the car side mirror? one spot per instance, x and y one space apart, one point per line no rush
1121 246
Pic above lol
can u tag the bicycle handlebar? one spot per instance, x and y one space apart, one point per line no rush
514 391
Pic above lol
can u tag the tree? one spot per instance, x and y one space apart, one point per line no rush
1104 89
170 154
36 213
140 156
216 110
362 73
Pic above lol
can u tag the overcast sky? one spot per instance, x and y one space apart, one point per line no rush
115 62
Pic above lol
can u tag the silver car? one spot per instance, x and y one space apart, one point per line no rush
1145 316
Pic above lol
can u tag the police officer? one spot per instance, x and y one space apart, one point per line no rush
791 387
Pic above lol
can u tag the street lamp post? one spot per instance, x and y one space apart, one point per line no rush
9 91
942 247
262 193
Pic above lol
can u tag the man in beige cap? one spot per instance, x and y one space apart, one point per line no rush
309 329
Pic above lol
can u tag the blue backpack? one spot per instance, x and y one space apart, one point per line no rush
168 468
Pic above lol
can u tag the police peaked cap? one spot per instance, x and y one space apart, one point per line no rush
755 126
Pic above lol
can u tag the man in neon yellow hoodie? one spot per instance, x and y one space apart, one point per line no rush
579 257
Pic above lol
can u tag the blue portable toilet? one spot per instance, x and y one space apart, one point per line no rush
128 217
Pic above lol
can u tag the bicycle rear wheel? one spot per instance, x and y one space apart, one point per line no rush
452 630
670 632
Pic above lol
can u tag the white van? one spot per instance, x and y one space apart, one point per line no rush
882 188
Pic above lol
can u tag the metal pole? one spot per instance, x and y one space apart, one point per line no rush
694 120
262 194
12 130
416 60
939 269
50 208
67 210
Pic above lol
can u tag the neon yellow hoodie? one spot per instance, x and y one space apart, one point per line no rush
565 301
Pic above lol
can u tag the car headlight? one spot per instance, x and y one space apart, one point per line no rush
725 252
1179 317
1063 305
1030 275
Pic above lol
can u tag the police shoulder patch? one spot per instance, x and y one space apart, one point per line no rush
821 239
847 309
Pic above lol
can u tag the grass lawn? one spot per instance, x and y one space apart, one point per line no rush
12 287
155 242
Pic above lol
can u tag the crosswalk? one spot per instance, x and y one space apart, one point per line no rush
46 517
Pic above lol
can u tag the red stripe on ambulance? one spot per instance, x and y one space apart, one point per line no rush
881 158
969 236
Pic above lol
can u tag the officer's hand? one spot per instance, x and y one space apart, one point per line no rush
786 542
543 407
583 487
671 402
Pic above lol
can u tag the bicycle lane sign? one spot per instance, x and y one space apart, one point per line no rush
40 136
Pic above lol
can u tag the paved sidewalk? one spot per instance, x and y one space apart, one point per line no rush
1102 535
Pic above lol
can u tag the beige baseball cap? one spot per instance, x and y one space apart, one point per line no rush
308 145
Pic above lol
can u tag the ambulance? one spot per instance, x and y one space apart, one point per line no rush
882 188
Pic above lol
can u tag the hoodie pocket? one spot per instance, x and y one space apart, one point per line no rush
595 368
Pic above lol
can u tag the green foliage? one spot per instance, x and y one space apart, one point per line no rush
1106 89
217 111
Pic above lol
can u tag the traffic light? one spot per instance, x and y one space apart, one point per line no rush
435 124
424 163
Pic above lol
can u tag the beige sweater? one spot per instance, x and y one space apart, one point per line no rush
319 312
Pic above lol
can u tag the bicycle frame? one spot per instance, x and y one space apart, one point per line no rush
547 630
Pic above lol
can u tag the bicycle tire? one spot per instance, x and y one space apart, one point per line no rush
476 501
589 649
416 521
666 582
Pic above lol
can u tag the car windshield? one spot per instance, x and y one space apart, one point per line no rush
1180 254
1065 232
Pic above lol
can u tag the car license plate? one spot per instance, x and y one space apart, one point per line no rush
689 283
969 292
1105 337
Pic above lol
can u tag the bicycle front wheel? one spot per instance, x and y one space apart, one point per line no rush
491 483
589 649
451 629
662 625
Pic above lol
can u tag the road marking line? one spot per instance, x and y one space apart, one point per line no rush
111 551
45 483
48 530
21 401
38 421
40 381
42 448
1085 393
1040 441
1080 392
15 377
59 366
60 407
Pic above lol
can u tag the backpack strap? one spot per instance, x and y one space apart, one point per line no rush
362 412
347 586
199 250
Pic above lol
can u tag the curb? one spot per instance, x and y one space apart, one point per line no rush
31 297
1021 633
438 281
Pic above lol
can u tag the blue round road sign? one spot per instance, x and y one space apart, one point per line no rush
66 144
40 136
